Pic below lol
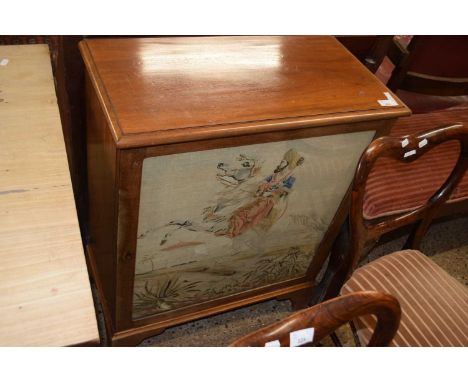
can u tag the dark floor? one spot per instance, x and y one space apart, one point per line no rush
446 243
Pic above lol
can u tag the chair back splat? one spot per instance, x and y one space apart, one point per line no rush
405 149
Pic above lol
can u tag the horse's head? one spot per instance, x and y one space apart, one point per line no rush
238 172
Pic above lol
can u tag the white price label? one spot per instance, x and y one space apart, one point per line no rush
272 344
389 101
301 337
422 143
409 153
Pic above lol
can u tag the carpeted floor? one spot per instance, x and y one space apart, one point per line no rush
446 243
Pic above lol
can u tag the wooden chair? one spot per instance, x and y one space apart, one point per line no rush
328 316
395 187
404 151
434 304
431 72
370 50
429 65
432 65
397 192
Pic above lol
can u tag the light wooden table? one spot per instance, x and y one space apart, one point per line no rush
45 295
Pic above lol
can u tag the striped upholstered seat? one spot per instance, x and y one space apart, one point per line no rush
434 305
394 187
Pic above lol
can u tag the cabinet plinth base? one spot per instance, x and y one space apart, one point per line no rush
299 295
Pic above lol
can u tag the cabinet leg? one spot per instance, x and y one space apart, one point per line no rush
300 300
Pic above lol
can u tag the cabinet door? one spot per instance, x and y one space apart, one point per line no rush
218 222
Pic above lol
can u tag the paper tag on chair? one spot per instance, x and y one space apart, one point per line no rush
409 153
422 143
301 337
272 344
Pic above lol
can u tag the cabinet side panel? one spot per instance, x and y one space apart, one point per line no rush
102 159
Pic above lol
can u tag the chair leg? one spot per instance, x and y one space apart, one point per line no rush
336 271
355 336
339 266
417 234
336 340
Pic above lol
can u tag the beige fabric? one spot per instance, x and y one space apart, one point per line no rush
218 222
434 305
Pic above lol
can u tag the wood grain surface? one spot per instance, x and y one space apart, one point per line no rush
156 90
45 295
328 316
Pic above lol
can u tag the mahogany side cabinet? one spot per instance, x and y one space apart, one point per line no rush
218 170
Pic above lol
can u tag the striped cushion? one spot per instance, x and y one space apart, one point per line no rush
434 305
394 187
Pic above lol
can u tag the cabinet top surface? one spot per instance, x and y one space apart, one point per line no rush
162 85
45 295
